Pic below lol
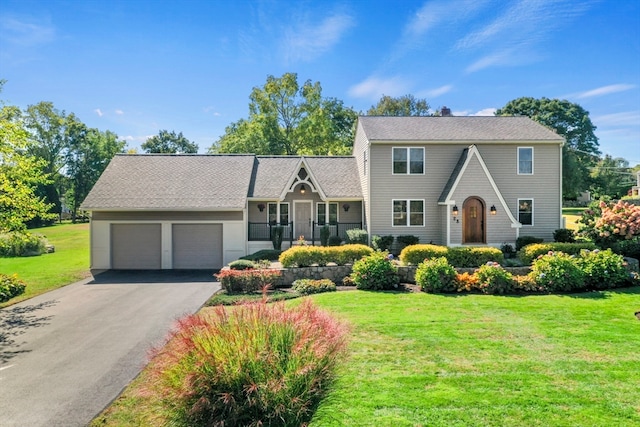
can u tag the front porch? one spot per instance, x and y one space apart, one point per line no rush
262 231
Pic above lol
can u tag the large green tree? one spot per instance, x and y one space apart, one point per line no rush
20 174
88 154
170 143
611 177
288 118
571 121
406 105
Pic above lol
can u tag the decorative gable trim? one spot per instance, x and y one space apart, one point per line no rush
456 177
308 179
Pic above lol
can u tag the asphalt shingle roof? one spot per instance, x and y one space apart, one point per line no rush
176 182
459 129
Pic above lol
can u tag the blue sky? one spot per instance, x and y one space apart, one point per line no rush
135 67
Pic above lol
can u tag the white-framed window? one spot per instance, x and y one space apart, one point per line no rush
408 160
408 213
525 211
525 160
278 213
327 213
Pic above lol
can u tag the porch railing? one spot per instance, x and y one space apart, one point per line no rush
261 231
335 229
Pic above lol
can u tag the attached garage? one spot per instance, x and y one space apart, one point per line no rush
197 246
136 246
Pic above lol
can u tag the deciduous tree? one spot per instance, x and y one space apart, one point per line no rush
169 142
406 105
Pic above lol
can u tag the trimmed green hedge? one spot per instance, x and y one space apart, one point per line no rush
459 257
305 256
533 251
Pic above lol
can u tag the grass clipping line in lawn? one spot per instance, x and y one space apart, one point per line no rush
255 364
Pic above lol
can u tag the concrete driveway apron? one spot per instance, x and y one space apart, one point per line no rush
65 355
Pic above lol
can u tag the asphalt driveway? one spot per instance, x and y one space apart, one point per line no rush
65 355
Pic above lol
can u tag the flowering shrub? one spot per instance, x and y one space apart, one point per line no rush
603 269
466 282
612 223
375 272
250 365
310 286
436 275
234 281
22 244
493 279
533 251
10 286
557 271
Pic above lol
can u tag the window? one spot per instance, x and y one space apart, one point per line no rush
408 212
525 211
525 160
322 213
273 214
408 160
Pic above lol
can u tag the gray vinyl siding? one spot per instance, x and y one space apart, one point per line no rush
166 216
544 186
360 146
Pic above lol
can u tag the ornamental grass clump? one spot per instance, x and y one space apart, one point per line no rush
436 275
255 364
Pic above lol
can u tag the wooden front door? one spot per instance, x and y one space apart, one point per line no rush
473 221
302 221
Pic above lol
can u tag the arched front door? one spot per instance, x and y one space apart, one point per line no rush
473 212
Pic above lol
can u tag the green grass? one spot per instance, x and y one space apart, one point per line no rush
474 360
69 263
572 215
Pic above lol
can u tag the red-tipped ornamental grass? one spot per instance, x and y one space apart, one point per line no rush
255 364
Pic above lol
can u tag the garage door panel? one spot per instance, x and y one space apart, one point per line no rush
136 246
197 246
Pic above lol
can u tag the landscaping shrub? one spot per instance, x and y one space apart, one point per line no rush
242 264
382 243
608 223
254 364
357 236
20 244
415 254
408 240
467 257
276 237
310 286
603 269
265 254
563 235
246 281
629 248
531 252
523 241
557 271
305 256
325 232
493 279
375 272
507 250
10 286
466 282
436 275
335 240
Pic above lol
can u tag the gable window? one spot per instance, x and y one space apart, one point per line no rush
408 160
525 211
276 215
525 160
408 213
327 217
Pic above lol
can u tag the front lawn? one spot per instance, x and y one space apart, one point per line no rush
458 360
572 215
69 263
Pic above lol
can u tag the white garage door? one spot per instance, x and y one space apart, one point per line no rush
135 246
197 246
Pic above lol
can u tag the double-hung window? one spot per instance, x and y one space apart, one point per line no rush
327 213
408 213
525 211
280 215
525 160
408 161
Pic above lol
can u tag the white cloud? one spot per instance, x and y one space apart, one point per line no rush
626 118
306 41
22 33
434 13
485 112
605 90
98 112
119 112
434 93
373 88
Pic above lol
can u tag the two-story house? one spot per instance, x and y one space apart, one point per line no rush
447 180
